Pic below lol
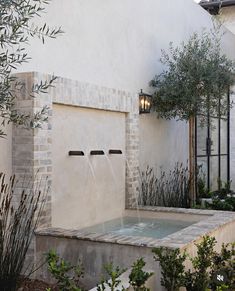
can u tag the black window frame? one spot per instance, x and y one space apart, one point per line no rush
208 154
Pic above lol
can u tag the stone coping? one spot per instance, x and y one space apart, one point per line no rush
179 239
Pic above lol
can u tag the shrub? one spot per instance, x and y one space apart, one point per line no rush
138 277
170 189
217 204
202 190
66 275
206 264
172 268
113 281
224 262
199 278
17 224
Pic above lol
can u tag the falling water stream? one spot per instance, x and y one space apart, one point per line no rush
132 226
92 170
95 182
115 180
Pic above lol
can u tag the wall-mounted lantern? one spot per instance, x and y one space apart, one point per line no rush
145 102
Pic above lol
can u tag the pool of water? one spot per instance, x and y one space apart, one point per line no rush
134 226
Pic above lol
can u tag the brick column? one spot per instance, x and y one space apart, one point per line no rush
132 154
31 152
31 148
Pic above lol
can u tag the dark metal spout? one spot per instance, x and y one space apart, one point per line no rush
76 153
115 152
97 152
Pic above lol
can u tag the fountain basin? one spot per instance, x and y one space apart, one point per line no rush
137 224
95 249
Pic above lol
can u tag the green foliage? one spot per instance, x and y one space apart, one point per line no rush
206 264
18 222
172 267
196 78
217 204
224 188
66 275
113 281
222 288
16 29
199 278
224 262
138 276
202 191
222 198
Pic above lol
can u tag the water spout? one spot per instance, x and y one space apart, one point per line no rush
76 153
96 152
115 152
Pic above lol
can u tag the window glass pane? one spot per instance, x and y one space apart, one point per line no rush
224 168
214 173
201 137
224 106
223 136
214 135
202 169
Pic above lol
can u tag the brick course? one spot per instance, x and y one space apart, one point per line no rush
32 148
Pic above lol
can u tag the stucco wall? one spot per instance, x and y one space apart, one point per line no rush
6 151
118 44
87 189
164 143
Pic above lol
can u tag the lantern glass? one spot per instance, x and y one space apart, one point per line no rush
145 101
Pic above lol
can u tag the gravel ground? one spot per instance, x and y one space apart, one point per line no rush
34 285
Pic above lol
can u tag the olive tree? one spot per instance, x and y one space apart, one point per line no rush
196 78
16 29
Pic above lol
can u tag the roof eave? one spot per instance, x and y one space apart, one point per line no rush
214 7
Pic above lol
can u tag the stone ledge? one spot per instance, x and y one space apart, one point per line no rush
179 239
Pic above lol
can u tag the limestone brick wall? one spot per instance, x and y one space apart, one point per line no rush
70 92
132 156
32 150
31 153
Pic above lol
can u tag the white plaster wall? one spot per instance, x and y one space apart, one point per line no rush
117 44
6 151
89 189
112 43
164 143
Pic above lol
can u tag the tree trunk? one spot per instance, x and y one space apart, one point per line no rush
192 165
